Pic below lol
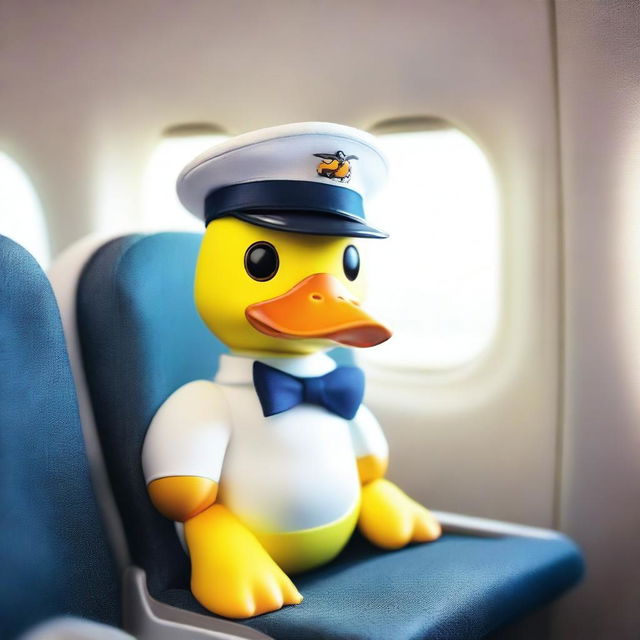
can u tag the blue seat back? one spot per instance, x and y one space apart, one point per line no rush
141 339
54 557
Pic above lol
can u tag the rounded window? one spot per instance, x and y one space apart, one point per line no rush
436 280
179 145
21 215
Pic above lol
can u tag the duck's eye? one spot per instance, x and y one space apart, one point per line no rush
351 262
261 261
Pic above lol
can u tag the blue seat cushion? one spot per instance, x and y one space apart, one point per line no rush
458 588
54 558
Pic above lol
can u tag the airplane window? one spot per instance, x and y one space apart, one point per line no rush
436 279
161 208
21 215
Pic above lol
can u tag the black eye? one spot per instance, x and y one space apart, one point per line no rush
351 262
261 261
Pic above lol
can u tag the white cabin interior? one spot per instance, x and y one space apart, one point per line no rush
540 424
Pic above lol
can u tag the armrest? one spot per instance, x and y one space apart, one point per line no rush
68 628
484 527
148 619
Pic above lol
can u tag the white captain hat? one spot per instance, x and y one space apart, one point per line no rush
308 177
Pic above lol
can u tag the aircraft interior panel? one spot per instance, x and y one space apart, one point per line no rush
538 425
599 110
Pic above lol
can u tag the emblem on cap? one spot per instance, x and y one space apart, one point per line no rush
335 166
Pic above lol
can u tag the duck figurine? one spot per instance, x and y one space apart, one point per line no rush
273 464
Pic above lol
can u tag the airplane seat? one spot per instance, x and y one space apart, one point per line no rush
154 342
141 338
53 552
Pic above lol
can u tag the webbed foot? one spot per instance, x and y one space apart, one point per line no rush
231 573
390 519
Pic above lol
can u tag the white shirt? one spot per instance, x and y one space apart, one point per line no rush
291 471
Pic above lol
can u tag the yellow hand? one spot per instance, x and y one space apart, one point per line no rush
231 573
182 497
371 468
390 519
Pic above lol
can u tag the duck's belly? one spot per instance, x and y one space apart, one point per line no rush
297 551
292 472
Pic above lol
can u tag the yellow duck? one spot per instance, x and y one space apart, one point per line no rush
266 489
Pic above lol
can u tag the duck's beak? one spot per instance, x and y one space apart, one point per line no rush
319 306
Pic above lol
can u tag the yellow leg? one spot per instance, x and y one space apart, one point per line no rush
231 573
390 519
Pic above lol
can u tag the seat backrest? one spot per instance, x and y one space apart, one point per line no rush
54 557
141 339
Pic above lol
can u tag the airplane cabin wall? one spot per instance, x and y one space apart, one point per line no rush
599 80
88 88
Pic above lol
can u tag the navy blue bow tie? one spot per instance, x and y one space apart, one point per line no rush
339 391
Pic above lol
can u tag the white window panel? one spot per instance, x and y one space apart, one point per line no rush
436 279
21 215
161 208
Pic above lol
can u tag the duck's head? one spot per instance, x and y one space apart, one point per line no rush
279 269
263 290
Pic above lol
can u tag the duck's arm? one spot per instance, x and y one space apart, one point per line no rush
231 573
369 445
184 449
389 518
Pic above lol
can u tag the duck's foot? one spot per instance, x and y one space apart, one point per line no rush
390 519
231 573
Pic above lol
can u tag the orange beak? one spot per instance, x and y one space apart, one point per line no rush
317 307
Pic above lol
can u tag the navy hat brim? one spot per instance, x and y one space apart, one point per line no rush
310 222
297 206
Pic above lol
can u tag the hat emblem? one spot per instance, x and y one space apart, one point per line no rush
335 166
